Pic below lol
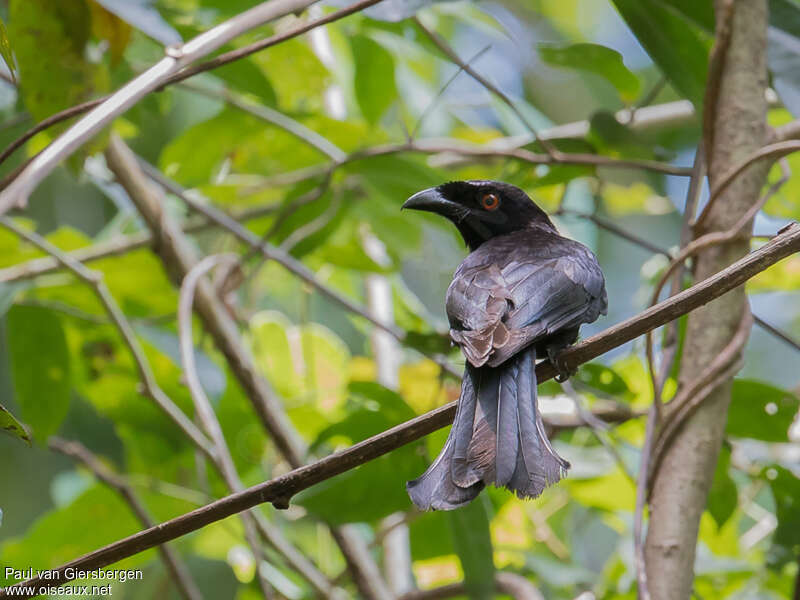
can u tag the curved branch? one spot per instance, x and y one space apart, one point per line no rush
176 58
280 490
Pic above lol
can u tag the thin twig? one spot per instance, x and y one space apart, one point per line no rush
721 369
442 90
180 575
280 489
177 58
448 51
219 61
208 418
95 280
270 115
716 66
641 499
178 256
516 586
117 246
773 151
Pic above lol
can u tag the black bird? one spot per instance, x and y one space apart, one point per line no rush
523 291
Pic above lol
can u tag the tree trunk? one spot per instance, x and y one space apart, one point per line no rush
681 486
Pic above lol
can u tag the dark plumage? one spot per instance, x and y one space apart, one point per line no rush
523 291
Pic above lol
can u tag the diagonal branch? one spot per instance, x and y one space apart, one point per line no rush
95 281
177 569
253 521
176 58
178 256
279 490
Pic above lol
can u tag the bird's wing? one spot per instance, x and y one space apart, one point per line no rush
514 299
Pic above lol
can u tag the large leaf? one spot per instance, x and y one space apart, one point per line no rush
672 41
722 498
597 59
10 425
49 39
97 517
376 489
761 411
374 81
39 367
700 12
472 540
786 491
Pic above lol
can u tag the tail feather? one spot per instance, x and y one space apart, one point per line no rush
540 465
508 432
497 437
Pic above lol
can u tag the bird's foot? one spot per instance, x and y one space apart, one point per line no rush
564 372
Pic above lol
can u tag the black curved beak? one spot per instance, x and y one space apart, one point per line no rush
432 201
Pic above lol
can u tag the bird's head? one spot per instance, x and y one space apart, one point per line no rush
481 209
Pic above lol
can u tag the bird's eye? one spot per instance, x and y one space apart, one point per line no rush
490 201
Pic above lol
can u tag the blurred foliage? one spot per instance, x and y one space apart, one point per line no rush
363 83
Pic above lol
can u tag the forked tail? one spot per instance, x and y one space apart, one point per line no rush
497 437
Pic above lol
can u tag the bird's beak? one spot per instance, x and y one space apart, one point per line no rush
432 201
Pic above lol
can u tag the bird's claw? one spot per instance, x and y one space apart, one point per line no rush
564 372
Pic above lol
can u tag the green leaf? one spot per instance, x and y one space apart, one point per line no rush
606 380
761 411
374 81
372 408
430 535
673 42
97 517
723 498
469 527
39 367
245 76
5 50
49 39
700 12
597 59
10 425
786 491
611 137
367 493
376 489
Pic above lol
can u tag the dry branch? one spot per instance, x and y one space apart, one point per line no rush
176 58
175 566
178 256
280 490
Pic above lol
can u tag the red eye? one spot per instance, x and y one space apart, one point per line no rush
490 201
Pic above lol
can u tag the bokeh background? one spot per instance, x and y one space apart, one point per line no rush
371 79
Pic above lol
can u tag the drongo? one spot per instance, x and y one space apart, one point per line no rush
522 292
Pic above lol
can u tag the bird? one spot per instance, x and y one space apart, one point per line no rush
522 292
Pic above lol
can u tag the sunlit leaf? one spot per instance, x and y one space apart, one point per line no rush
12 426
761 411
374 82
109 27
49 37
722 498
597 59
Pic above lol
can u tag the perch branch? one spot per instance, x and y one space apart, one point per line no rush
280 489
175 566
